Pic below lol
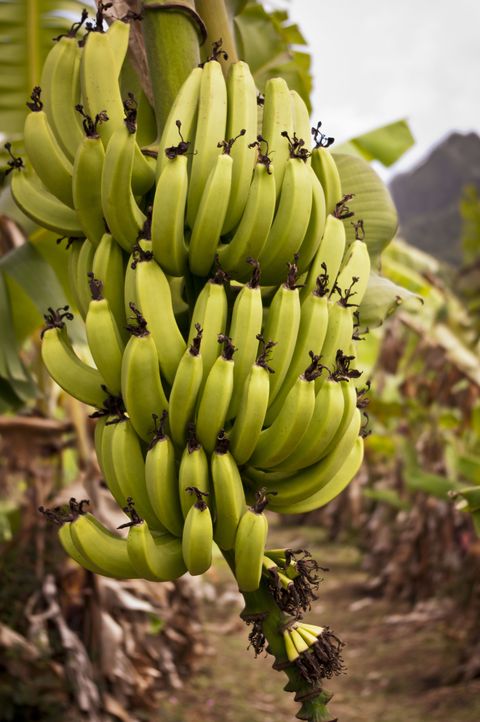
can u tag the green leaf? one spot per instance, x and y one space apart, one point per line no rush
382 298
265 41
371 203
27 28
386 144
386 496
32 273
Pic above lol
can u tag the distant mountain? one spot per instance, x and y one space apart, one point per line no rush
428 197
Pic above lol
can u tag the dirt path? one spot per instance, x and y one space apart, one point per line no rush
398 664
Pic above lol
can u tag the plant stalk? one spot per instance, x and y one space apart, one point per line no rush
313 700
171 32
219 26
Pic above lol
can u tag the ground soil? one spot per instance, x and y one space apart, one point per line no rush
401 665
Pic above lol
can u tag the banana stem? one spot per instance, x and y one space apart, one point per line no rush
219 26
171 31
313 699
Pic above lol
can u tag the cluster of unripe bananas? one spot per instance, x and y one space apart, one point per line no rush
220 302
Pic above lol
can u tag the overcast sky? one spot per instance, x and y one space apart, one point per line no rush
376 61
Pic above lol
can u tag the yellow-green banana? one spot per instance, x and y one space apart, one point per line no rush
210 312
40 206
316 226
356 265
74 376
216 395
277 119
124 218
193 469
229 496
185 388
154 298
327 173
282 324
168 216
242 115
87 180
328 256
291 221
101 547
254 226
252 409
109 266
197 537
285 433
45 154
141 384
157 558
210 130
183 114
161 480
250 546
210 214
103 336
246 324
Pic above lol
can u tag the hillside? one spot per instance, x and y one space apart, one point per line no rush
428 196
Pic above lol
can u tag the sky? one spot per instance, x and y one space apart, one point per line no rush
376 61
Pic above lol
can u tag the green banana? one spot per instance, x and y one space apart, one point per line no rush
103 336
124 218
356 265
252 408
285 433
185 388
161 480
73 375
333 487
291 220
328 256
183 114
101 547
129 470
210 129
242 114
104 451
326 418
277 118
311 334
229 495
40 206
83 267
168 241
246 324
109 266
156 558
310 480
197 537
250 545
339 332
282 324
193 469
87 179
316 227
210 213
60 83
154 298
102 59
301 122
215 397
141 384
326 170
255 223
45 154
210 312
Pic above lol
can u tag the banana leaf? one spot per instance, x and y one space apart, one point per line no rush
381 299
386 144
26 33
386 496
371 203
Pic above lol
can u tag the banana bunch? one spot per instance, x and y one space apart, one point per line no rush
220 300
227 178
